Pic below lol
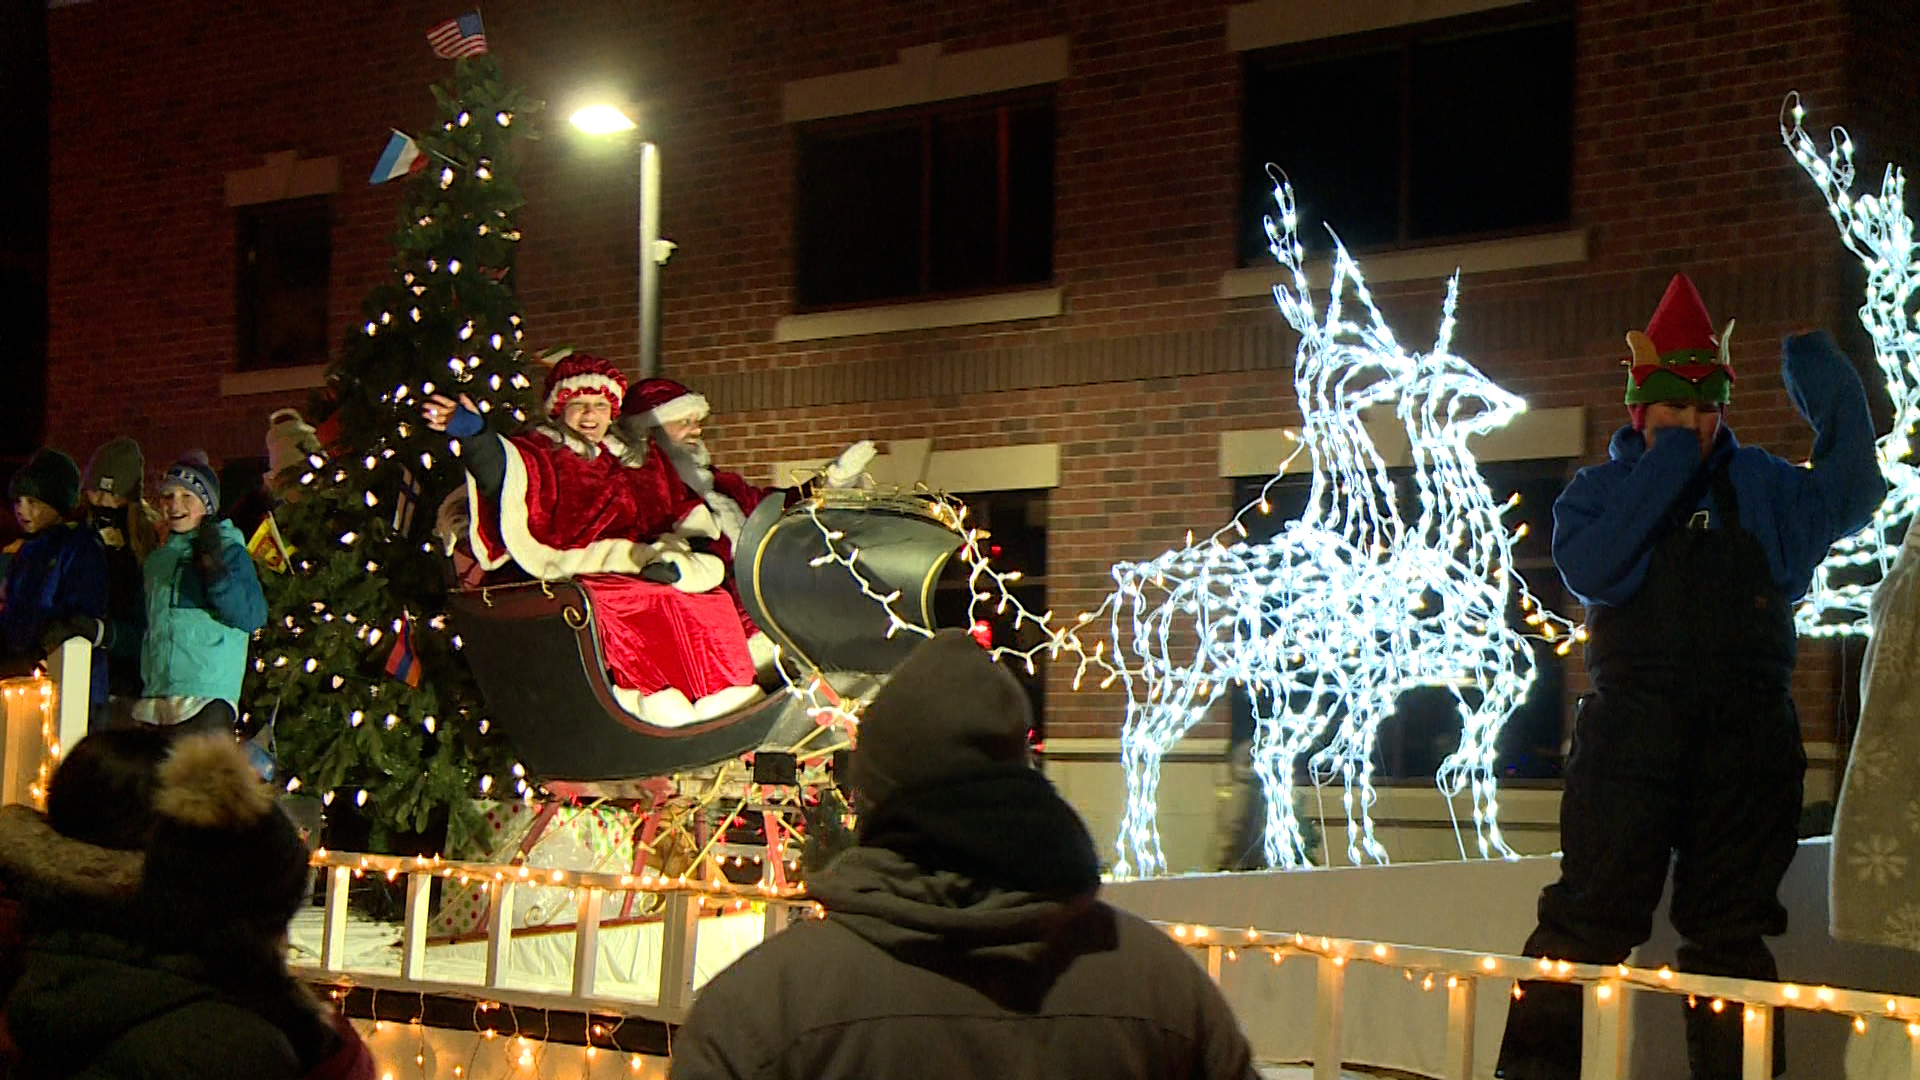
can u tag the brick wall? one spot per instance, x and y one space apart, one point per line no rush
1677 166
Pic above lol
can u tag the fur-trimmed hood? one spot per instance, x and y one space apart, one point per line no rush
47 867
631 455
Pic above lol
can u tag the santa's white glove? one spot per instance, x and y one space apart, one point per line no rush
851 465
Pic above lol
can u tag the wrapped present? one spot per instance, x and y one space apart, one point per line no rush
549 836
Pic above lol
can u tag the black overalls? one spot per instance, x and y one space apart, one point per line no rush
1689 754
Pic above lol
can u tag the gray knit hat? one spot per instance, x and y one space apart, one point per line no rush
117 468
949 710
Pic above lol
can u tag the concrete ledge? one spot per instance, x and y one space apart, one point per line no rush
283 176
922 76
273 380
1029 467
1533 435
928 315
1265 23
1420 264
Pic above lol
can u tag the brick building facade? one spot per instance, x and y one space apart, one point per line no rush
1118 382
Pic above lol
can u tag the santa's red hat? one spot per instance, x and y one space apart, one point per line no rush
583 375
662 401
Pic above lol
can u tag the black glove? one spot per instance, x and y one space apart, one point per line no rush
206 553
59 630
660 573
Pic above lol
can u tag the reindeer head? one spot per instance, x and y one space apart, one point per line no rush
1446 395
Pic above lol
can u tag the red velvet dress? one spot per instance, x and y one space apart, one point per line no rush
598 520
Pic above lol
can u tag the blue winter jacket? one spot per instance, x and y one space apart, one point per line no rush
60 572
1606 522
196 643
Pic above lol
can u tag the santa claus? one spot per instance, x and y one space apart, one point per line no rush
671 416
569 498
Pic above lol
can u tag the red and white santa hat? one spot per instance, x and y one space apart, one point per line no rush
662 401
583 375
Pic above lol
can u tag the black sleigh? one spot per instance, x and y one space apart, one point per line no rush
534 650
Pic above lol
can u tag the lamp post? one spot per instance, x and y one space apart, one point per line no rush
653 251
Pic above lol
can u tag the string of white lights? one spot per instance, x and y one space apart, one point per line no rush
1878 231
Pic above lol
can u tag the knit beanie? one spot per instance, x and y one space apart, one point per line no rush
117 468
224 858
947 711
50 476
196 474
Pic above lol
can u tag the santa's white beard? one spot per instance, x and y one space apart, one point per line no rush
694 463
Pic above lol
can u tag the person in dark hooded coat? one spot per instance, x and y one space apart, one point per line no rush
963 936
176 972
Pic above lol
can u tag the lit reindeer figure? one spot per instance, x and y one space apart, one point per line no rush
1875 228
1456 566
1295 620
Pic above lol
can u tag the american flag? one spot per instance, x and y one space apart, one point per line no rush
458 37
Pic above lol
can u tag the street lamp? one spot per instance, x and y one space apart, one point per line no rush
611 120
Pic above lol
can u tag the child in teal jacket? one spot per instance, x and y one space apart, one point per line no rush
203 604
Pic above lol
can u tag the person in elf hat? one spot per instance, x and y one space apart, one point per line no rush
672 417
570 498
203 604
1689 551
57 581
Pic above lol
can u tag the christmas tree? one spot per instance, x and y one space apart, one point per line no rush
358 669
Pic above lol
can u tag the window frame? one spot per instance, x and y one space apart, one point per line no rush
925 116
1254 202
250 220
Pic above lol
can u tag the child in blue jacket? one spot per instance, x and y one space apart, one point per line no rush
57 582
1689 551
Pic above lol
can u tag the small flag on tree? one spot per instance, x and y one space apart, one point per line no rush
458 37
402 664
402 156
267 548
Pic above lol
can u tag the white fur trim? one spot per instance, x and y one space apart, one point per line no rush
700 522
685 407
668 708
763 652
721 702
728 514
591 381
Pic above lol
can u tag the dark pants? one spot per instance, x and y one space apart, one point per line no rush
1704 780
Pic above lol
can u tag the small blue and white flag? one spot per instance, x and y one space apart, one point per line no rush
402 156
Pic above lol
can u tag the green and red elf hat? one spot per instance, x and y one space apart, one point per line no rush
1679 358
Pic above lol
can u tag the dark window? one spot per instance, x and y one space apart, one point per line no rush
285 258
1444 130
925 203
1016 522
1425 727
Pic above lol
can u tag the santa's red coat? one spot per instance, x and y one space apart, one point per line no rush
569 511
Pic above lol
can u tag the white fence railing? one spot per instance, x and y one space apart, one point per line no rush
681 901
1608 994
